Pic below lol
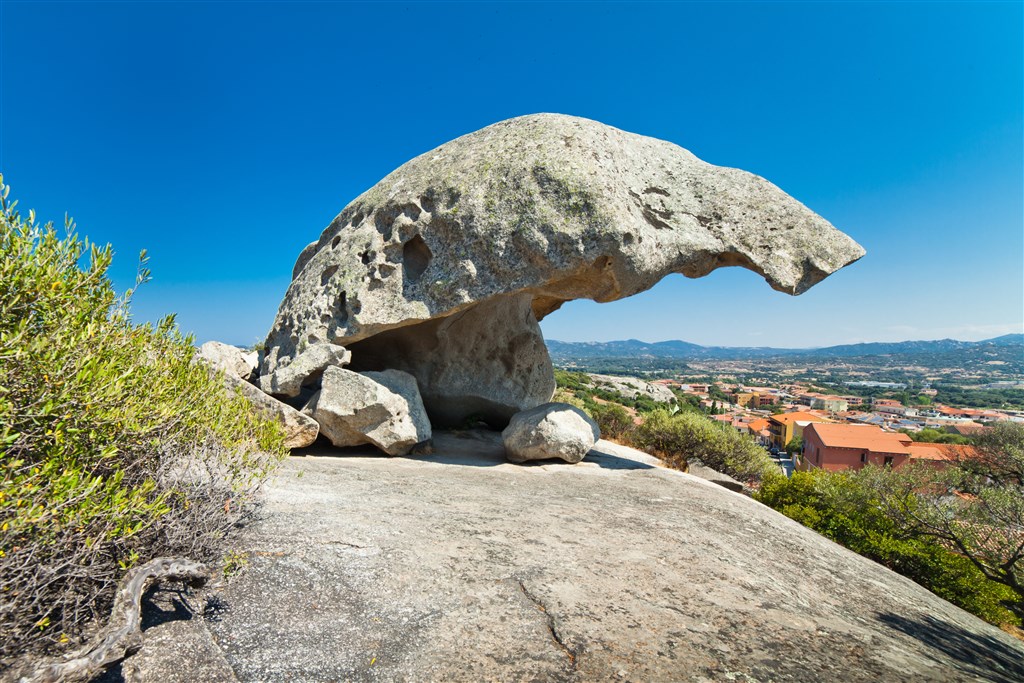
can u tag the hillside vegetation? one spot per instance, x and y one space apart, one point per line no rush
115 447
956 531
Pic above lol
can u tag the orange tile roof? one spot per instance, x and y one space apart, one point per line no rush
757 425
787 418
938 451
866 437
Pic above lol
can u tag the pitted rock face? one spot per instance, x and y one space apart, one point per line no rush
550 207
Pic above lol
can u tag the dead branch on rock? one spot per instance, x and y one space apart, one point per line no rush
123 635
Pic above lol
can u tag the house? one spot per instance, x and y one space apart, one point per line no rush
835 447
897 409
759 430
784 427
832 404
877 402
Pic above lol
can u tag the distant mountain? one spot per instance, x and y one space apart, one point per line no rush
633 348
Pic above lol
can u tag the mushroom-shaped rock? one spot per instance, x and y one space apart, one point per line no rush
540 209
231 359
379 408
299 430
551 430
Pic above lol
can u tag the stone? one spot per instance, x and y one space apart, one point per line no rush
699 469
631 387
487 362
300 430
304 369
379 408
462 567
231 359
551 430
548 208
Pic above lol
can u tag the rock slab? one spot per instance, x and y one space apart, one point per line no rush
379 408
300 430
462 567
304 369
551 430
233 360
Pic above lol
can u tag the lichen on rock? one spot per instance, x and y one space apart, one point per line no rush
541 209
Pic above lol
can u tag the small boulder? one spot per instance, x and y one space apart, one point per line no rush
306 368
231 359
300 430
551 430
379 408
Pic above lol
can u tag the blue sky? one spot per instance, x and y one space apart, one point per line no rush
223 137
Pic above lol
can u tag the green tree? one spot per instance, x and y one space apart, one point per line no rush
795 445
850 509
975 506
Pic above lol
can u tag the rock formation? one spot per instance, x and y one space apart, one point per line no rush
631 387
379 408
239 366
231 359
551 430
299 430
445 266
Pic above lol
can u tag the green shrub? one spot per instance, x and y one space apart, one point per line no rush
846 507
679 437
614 421
115 446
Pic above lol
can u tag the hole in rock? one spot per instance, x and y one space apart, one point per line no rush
335 242
478 364
342 308
325 276
416 257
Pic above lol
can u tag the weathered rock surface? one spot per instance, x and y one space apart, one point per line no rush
379 408
699 469
300 430
304 369
551 430
488 361
631 387
546 206
231 359
462 567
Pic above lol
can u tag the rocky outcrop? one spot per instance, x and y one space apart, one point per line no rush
540 209
300 430
551 430
231 359
488 361
304 369
462 567
699 469
631 387
379 408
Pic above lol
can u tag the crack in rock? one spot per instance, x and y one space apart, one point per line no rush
551 624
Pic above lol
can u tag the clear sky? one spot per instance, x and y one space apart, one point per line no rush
224 136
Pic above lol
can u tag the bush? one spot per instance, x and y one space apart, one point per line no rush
679 437
614 421
115 446
846 507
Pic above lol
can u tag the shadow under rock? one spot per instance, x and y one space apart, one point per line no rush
469 448
974 653
159 606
